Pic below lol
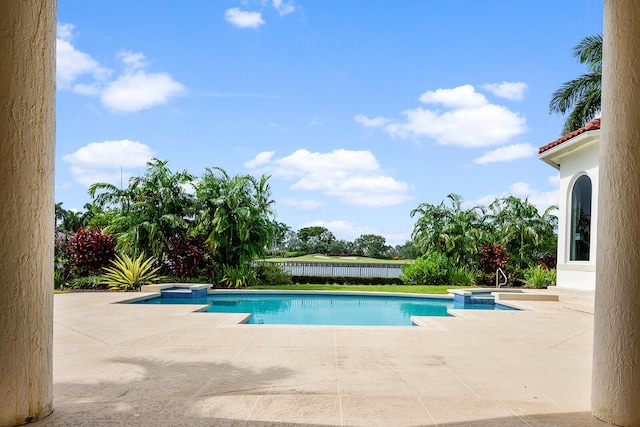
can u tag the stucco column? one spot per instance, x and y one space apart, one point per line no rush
27 145
615 395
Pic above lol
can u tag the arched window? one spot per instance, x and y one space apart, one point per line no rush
580 236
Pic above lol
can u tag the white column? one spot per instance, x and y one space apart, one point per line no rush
615 396
27 146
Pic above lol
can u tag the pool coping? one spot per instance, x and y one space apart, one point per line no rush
504 294
154 291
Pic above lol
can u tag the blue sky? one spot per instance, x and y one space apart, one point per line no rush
359 110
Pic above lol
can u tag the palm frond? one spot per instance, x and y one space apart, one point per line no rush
580 97
589 51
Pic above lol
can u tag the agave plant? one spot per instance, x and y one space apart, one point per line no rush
128 273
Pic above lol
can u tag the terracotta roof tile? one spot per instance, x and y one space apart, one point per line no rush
593 125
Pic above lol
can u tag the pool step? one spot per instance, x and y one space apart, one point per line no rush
179 290
493 296
186 293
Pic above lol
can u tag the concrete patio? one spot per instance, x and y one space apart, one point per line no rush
160 365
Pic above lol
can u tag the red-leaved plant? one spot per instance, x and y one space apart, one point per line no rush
91 250
186 256
492 257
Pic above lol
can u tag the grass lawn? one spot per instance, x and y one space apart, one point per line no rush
354 288
346 260
365 288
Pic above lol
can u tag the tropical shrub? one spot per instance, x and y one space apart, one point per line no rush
550 261
63 257
526 235
87 282
238 276
552 275
59 279
186 257
272 274
127 273
294 254
461 276
539 277
492 257
91 250
430 269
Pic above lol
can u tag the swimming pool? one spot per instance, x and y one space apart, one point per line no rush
323 308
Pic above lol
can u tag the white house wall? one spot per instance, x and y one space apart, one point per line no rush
582 160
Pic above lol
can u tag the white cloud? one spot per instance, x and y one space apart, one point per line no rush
372 123
134 90
139 91
64 31
106 154
305 205
471 120
260 159
541 199
132 60
106 161
87 177
71 63
243 19
354 177
482 201
283 8
88 88
506 154
458 97
554 180
509 90
316 121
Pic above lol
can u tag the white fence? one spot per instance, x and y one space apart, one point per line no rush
341 270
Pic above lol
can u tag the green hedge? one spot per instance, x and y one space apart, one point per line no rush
294 254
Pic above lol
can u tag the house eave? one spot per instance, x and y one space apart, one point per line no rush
554 156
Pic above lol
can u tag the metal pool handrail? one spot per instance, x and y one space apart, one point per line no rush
499 270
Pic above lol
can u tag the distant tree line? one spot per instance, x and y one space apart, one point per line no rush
320 240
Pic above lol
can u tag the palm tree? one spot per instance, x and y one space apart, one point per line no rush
527 235
70 220
581 96
451 230
235 215
152 209
60 213
278 240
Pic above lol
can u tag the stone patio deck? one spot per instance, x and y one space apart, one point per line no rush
161 365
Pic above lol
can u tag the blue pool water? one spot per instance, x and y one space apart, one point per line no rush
324 309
